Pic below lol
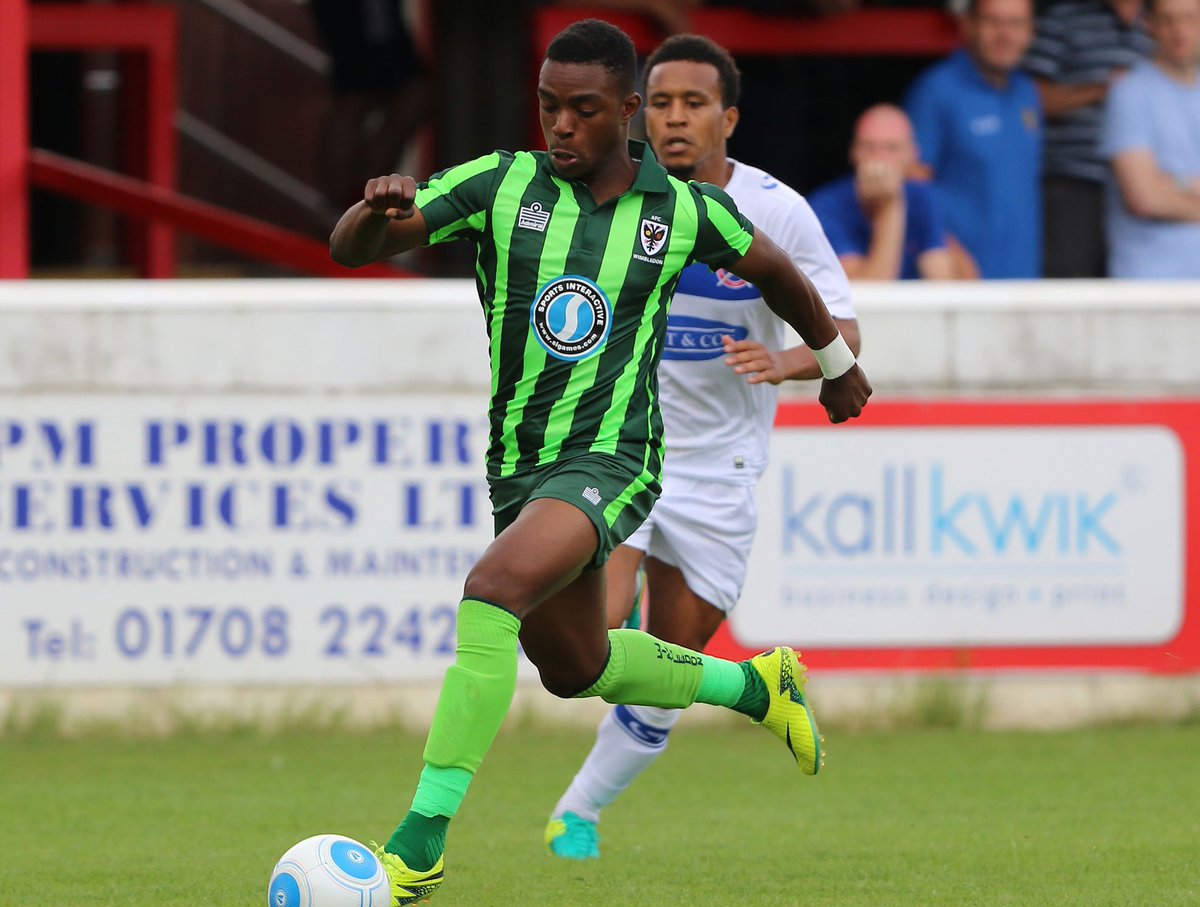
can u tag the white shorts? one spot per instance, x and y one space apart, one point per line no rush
704 529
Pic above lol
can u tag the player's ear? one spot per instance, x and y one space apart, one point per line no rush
630 107
731 120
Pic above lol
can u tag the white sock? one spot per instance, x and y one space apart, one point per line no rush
629 738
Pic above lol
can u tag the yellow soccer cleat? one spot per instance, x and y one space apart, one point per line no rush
788 714
408 885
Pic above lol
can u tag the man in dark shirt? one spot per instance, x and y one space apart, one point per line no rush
1080 48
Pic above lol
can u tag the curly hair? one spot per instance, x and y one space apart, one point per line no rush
596 41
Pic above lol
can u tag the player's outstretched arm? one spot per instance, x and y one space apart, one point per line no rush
792 296
383 224
796 363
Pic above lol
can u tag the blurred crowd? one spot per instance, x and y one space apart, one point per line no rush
1064 143
1060 140
1067 144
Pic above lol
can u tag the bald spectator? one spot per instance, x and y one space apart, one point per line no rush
881 224
1082 47
1152 137
978 125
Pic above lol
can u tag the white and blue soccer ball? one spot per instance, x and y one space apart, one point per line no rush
329 871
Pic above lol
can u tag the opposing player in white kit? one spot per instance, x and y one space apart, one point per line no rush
723 355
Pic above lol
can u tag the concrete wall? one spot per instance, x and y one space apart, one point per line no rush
1069 339
1084 338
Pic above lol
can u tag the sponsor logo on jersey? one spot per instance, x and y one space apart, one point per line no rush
696 339
533 218
570 317
653 236
698 280
730 280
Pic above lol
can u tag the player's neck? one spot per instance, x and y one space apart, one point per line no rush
717 170
612 178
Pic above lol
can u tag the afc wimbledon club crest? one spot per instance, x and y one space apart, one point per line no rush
570 318
654 236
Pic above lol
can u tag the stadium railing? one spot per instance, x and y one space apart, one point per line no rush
862 32
168 209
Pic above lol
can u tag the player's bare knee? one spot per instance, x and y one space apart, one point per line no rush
565 685
562 677
496 582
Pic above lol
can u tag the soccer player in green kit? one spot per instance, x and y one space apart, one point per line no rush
579 249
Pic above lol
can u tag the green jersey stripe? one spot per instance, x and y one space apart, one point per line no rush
686 217
504 218
680 241
622 235
473 222
450 179
735 234
638 486
452 183
575 297
583 257
560 232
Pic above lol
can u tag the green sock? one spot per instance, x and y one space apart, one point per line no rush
419 840
642 670
755 697
476 693
478 687
735 685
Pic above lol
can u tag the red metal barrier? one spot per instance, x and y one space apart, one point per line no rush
885 32
863 32
14 139
151 32
168 209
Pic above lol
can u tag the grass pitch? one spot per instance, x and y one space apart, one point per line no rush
1096 818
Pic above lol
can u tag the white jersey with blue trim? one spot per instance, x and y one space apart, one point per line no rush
717 425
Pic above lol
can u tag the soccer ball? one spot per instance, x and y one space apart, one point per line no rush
329 871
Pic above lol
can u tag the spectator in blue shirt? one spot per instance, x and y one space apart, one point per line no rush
979 128
882 225
1152 137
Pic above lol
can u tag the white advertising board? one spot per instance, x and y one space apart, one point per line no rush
236 539
977 536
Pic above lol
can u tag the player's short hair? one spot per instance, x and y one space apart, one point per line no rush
596 41
698 49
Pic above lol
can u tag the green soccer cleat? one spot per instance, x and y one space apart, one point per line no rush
788 714
408 885
572 838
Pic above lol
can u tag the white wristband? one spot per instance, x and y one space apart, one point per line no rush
835 359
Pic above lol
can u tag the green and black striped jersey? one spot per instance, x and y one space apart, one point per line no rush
575 297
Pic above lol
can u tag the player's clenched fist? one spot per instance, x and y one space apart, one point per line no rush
391 196
844 397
